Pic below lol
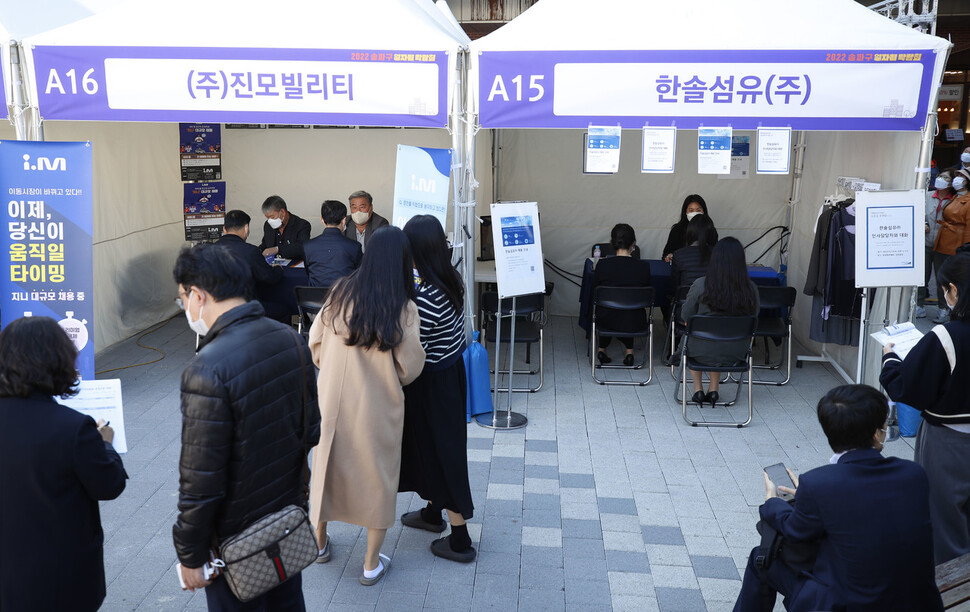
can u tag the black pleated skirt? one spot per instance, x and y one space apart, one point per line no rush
434 458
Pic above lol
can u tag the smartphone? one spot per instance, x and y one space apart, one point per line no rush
779 475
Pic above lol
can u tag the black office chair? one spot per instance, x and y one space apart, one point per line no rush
778 327
629 299
309 301
719 329
530 311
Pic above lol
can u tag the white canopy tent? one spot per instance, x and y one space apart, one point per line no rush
5 72
571 64
377 63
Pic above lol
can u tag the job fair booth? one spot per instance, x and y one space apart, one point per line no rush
615 112
307 100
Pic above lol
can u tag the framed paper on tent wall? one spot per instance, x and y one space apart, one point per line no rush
518 249
889 238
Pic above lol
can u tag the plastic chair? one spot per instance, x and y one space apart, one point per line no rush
719 329
529 322
776 328
309 301
627 299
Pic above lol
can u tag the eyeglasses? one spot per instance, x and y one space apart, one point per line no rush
180 302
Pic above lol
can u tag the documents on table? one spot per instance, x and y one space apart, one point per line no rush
903 337
101 399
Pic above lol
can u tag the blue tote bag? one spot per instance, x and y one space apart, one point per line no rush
478 392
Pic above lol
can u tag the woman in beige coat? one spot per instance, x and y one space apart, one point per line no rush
367 345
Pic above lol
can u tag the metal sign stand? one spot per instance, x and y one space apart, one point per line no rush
507 419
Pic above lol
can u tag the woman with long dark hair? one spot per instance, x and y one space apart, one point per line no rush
690 263
55 465
933 379
725 290
366 342
620 271
677 238
434 458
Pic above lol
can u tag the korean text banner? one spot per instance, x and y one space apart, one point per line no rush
804 90
421 181
287 86
49 268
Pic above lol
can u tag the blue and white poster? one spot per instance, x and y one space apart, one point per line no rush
714 150
421 183
204 209
200 148
518 248
740 158
47 238
602 155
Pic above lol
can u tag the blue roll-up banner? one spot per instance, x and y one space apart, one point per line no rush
47 239
421 183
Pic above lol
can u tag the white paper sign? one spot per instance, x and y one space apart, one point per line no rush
518 249
602 150
101 399
774 150
889 238
659 150
714 150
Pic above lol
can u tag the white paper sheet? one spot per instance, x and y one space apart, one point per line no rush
101 399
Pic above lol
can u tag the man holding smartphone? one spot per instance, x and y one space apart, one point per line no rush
868 514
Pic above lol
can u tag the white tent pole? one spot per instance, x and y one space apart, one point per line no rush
457 156
470 129
20 108
796 192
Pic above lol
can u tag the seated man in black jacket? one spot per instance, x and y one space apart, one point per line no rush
235 232
869 515
283 232
249 418
331 255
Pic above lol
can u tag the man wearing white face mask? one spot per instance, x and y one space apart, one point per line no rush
954 229
283 233
936 201
249 418
362 221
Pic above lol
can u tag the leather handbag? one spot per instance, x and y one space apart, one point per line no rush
268 552
276 547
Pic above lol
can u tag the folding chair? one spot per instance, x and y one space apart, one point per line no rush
623 299
529 322
776 327
719 329
309 301
676 328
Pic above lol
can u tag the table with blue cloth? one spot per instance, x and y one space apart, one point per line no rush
660 281
283 294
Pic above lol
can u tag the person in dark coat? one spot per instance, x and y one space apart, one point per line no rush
331 255
362 221
622 270
690 262
434 457
283 232
249 418
868 514
677 238
235 232
55 464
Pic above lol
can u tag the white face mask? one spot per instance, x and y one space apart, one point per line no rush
275 223
941 183
198 326
360 217
691 215
959 183
965 157
946 298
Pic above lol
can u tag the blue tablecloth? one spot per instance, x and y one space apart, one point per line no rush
282 293
660 281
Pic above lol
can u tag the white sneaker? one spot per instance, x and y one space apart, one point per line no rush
920 312
943 316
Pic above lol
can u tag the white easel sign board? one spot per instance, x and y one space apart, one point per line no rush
101 399
518 249
889 238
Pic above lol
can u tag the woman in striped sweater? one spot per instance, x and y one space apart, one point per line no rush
434 460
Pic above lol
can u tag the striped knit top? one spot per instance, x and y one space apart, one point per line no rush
442 331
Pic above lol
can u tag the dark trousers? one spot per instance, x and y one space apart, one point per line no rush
757 595
924 291
604 341
944 453
938 260
287 597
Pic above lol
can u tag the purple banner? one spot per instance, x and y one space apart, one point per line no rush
286 86
806 90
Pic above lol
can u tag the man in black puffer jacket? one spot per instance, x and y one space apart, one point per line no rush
249 418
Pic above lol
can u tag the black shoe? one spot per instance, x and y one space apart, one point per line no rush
603 357
628 360
712 397
442 548
414 519
699 397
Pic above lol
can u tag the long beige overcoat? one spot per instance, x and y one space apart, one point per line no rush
357 465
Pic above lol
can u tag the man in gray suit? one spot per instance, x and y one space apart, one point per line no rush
362 221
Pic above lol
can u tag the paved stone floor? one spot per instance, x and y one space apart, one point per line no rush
606 500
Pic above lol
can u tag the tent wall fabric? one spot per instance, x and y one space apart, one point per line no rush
576 210
690 64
